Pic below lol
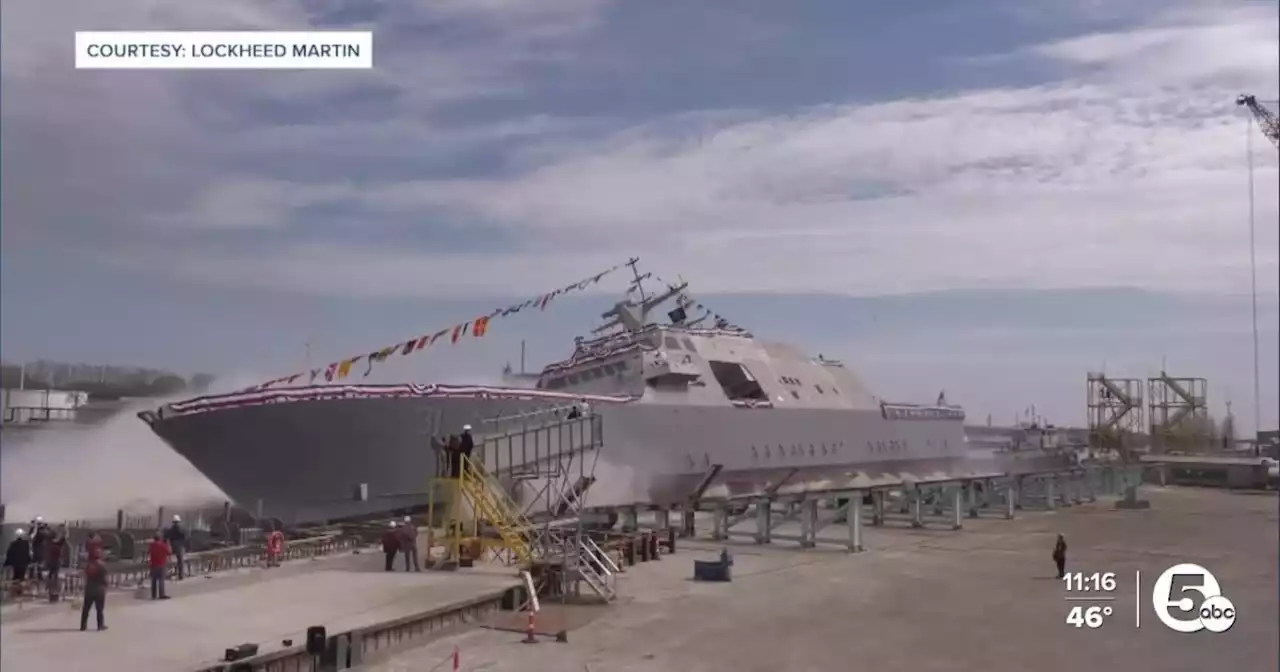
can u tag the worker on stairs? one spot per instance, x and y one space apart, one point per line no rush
466 443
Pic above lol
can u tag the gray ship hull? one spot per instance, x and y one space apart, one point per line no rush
298 455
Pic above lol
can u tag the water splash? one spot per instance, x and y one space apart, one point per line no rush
80 472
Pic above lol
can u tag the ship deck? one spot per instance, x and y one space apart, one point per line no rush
205 616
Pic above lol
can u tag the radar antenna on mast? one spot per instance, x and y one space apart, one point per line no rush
1266 120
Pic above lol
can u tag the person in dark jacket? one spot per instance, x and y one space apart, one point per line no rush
158 561
18 556
466 443
453 455
53 550
95 592
1060 555
390 545
409 545
39 535
177 539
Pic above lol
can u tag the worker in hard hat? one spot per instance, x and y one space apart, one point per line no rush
409 545
18 556
40 534
177 539
466 443
390 545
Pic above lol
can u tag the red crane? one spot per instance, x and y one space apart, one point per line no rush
1266 120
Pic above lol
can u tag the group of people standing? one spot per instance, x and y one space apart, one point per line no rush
41 554
45 553
402 538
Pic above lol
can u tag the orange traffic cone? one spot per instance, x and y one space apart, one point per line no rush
530 631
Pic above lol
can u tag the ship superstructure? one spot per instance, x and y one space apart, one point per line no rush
688 405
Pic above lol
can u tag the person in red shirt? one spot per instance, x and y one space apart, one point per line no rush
95 592
94 547
158 556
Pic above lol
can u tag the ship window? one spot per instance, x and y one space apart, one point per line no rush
608 369
835 391
736 381
688 345
571 379
819 389
795 394
622 365
672 343
598 372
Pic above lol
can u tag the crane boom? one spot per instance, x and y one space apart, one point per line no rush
1266 121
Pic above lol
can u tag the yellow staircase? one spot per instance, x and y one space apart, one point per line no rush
491 504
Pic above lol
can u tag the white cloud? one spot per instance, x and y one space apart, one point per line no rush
1129 169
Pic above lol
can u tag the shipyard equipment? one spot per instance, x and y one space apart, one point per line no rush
1179 415
1266 120
1115 415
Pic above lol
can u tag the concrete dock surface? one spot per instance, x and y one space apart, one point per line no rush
206 616
984 598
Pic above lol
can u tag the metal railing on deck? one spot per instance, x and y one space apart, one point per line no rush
129 575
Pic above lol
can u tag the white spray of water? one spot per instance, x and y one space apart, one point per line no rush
87 473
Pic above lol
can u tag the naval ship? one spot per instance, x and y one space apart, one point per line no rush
683 407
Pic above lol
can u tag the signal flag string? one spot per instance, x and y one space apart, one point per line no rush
475 328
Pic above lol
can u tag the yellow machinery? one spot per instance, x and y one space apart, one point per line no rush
489 507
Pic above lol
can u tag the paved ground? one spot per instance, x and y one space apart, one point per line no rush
205 616
981 599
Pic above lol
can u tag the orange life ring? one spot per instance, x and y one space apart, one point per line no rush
275 543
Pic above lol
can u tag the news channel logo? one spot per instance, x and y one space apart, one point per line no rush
1188 598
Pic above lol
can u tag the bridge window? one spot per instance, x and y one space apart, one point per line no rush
795 394
736 381
688 345
672 343
819 389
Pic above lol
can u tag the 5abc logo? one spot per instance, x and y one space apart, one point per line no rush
1188 598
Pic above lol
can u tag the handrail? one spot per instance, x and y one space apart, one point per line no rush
528 414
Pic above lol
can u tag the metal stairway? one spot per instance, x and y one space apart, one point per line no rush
596 569
491 503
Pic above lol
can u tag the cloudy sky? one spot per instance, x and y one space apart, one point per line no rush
989 197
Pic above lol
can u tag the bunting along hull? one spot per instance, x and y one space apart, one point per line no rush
300 454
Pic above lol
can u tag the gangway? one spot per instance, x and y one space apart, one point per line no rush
552 454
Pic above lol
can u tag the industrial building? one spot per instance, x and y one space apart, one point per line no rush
29 407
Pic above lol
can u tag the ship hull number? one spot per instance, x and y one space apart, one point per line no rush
886 447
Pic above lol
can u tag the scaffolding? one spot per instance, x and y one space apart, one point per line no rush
518 499
1179 415
1115 415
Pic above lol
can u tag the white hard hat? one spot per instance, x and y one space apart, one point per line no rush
39 519
393 523
466 428
20 532
407 519
177 518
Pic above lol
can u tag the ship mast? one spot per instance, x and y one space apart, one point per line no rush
627 315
